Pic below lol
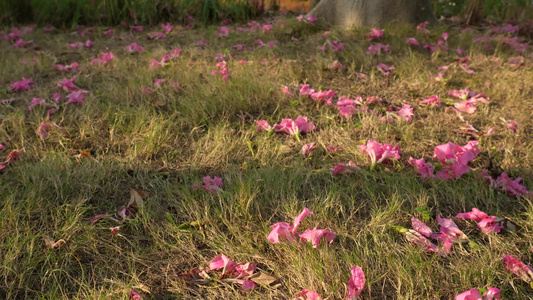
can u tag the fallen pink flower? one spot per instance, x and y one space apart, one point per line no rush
35 102
157 36
336 46
135 295
474 294
114 230
447 226
136 28
295 127
68 68
104 58
333 149
430 48
166 27
20 43
379 153
422 27
405 113
285 89
336 66
305 90
377 49
68 84
439 76
98 217
461 94
468 106
287 231
307 295
77 96
223 31
314 236
432 100
412 41
518 268
384 69
45 128
201 43
511 124
485 223
88 44
348 168
307 148
356 283
157 82
512 187
22 85
134 48
212 185
262 125
374 34
425 170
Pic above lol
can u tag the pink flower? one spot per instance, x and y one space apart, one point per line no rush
74 45
48 28
422 27
484 222
166 27
285 89
295 127
45 129
455 158
420 240
348 168
447 226
374 34
108 32
511 124
305 90
222 70
77 96
136 28
22 85
430 48
68 84
201 43
35 102
474 294
467 106
439 76
475 215
134 48
68 68
287 231
336 66
221 262
21 43
157 82
405 113
262 125
425 170
307 148
104 59
307 295
333 149
356 283
336 46
212 185
157 36
384 69
461 94
512 187
323 95
88 44
223 31
519 268
134 294
377 49
432 100
114 230
412 41
314 236
379 153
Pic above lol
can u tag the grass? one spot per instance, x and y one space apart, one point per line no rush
164 142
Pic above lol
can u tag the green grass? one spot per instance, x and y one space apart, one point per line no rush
207 128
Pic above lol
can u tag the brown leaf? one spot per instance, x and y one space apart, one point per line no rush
135 199
159 102
263 278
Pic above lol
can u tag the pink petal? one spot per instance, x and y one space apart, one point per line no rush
356 283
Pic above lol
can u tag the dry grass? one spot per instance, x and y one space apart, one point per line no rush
205 129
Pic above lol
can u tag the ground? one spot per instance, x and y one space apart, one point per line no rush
162 141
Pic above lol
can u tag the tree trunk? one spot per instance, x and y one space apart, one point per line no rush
355 13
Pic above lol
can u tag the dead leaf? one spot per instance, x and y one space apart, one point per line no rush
85 154
263 278
159 102
135 199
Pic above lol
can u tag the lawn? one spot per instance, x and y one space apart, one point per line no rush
116 132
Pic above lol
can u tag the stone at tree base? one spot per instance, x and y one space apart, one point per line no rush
356 13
